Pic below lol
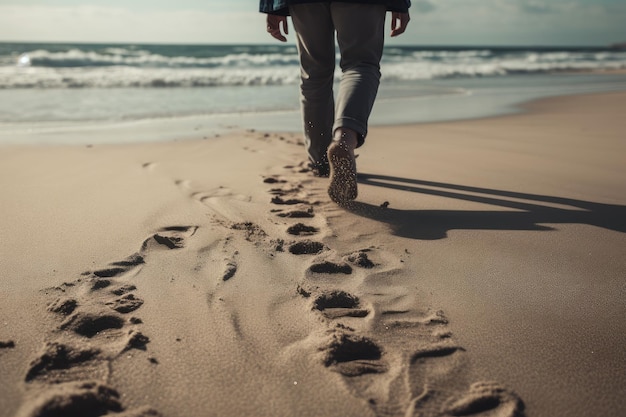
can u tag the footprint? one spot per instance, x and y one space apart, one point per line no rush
440 369
434 352
125 304
360 259
420 369
335 299
172 237
63 306
301 229
110 272
90 324
274 180
62 363
124 289
331 268
487 397
253 232
85 399
119 268
429 319
99 284
288 202
337 304
352 355
131 261
297 214
74 399
306 247
285 190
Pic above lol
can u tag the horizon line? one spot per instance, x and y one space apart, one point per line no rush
615 45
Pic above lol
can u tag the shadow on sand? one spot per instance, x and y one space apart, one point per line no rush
529 212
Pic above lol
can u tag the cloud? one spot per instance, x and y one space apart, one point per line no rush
532 7
536 7
447 22
119 24
423 6
519 22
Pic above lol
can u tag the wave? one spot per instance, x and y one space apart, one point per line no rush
116 77
75 58
120 77
138 78
210 66
429 70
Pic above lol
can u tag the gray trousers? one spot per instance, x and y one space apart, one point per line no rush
360 37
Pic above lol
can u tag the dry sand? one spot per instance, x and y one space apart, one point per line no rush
481 271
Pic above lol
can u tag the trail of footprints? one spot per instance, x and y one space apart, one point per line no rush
401 361
96 325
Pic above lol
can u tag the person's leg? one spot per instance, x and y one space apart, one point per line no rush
360 35
316 48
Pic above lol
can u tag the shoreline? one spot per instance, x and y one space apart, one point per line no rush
490 279
478 102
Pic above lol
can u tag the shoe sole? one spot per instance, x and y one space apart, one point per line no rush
343 186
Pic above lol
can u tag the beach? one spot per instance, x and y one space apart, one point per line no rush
480 272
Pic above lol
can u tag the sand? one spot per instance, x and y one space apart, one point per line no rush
481 271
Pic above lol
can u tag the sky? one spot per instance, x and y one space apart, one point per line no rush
433 22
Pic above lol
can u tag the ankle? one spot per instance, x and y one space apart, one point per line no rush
346 138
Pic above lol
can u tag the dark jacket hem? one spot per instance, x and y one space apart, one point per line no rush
281 7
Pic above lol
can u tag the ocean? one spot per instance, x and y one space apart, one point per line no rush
47 85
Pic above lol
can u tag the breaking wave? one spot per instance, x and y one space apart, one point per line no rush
153 66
